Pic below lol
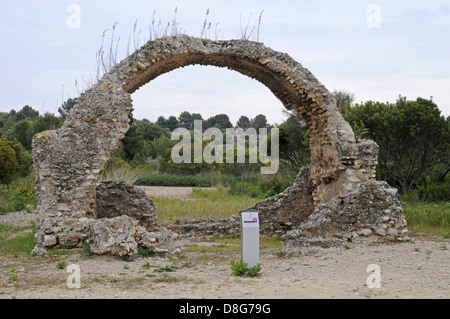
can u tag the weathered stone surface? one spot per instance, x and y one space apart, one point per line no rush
373 208
116 198
113 236
161 241
288 209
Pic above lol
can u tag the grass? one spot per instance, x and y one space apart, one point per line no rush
231 244
17 240
431 219
216 203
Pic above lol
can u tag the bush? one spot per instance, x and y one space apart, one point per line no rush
8 161
175 180
118 169
17 195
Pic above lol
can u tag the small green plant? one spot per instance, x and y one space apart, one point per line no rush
241 268
146 266
254 271
13 278
144 252
86 252
166 269
61 264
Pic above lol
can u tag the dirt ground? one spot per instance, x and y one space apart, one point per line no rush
415 269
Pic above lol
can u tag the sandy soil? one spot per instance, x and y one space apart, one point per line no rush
416 269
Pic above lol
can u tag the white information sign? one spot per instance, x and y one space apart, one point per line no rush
250 238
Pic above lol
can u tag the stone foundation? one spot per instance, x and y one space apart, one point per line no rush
126 218
373 209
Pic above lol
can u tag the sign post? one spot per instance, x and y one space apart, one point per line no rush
250 238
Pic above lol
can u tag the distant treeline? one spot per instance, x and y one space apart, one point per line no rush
413 136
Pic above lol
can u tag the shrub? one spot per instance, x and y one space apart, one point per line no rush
8 161
17 195
118 169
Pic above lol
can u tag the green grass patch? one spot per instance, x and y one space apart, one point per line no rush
15 242
231 244
428 218
216 203
264 242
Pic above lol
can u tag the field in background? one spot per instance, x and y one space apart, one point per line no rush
201 203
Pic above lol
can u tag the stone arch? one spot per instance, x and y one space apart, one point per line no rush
68 160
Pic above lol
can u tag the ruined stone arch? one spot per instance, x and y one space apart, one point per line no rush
67 161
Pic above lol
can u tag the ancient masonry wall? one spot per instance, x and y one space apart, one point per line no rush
67 161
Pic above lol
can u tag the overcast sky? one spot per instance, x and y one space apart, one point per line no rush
376 49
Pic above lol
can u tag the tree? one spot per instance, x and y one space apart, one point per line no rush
23 132
221 121
412 136
161 121
65 108
294 141
196 116
29 112
132 143
47 122
23 158
185 120
243 122
171 123
260 121
8 161
150 131
343 98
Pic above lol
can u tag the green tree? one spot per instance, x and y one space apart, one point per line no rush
8 161
65 108
185 120
23 158
172 123
343 98
243 122
149 131
260 121
221 121
196 116
28 112
412 136
47 122
132 143
23 132
294 141
161 121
